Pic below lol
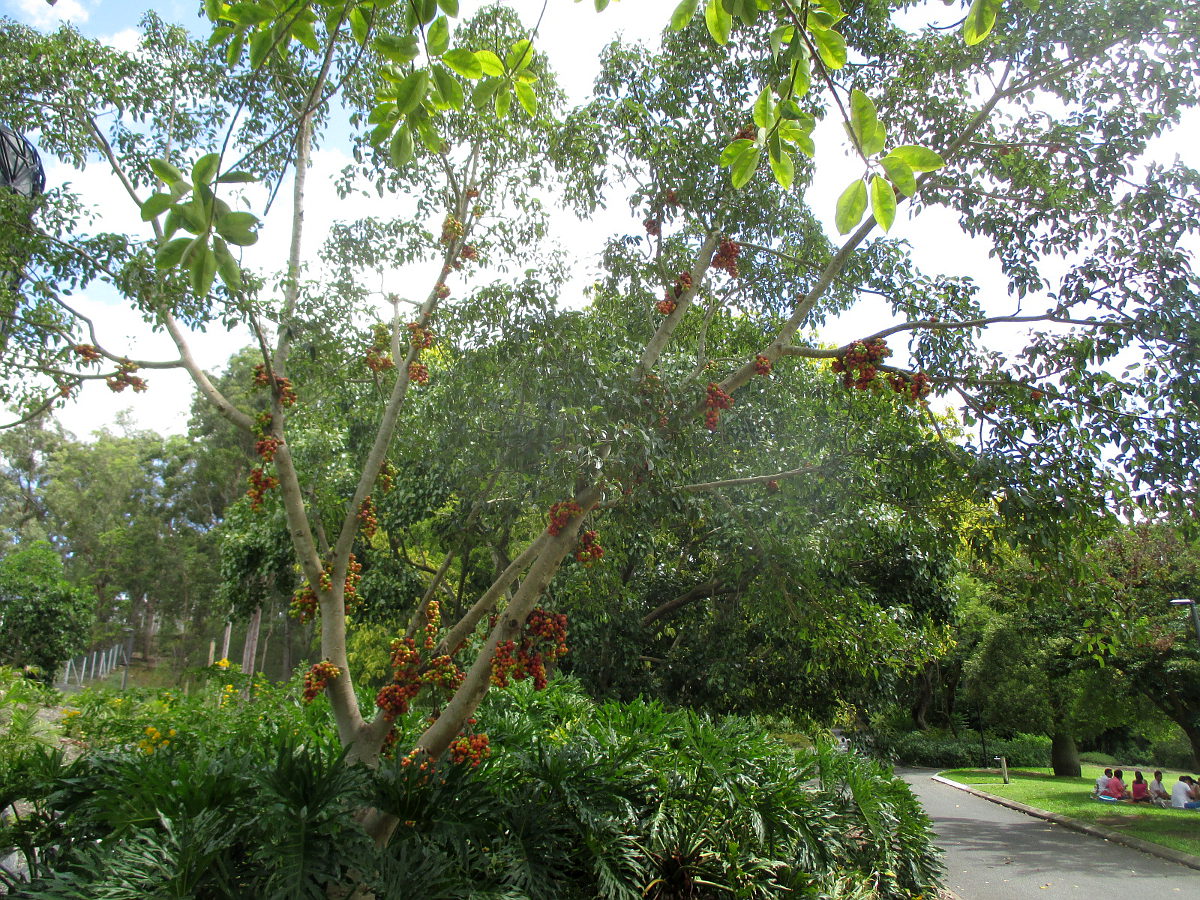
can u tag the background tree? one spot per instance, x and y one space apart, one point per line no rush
44 619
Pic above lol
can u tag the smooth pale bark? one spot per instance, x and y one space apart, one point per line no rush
250 647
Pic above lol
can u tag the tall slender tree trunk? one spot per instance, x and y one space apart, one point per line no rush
250 648
1193 736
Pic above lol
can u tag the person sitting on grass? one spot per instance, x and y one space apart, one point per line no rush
1159 795
1115 788
1181 794
1140 789
1102 783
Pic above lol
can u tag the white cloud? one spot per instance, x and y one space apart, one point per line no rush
127 40
40 14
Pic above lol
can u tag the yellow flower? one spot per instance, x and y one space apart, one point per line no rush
222 664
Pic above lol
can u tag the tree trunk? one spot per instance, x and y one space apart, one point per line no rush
924 700
287 646
225 640
250 649
1193 736
1064 755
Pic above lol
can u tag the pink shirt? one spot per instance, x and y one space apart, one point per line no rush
1140 789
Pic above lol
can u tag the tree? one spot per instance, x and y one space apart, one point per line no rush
44 620
737 89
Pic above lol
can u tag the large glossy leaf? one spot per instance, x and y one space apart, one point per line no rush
919 159
683 14
883 203
980 20
851 206
719 22
831 47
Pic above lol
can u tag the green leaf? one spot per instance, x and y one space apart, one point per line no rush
247 14
745 165
303 32
865 122
601 5
919 159
784 169
400 150
883 203
227 266
1032 5
214 9
800 76
359 26
981 19
168 255
411 92
380 132
527 98
490 62
156 205
503 102
448 87
851 206
520 56
831 47
901 174
260 45
734 150
438 38
397 49
485 91
764 109
233 52
464 62
424 10
430 138
165 171
683 14
236 178
173 222
205 168
238 228
203 264
449 7
719 22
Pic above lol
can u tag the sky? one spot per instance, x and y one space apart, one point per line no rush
573 34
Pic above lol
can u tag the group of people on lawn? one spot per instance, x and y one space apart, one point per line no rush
1184 795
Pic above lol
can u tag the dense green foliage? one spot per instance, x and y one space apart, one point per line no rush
213 795
43 618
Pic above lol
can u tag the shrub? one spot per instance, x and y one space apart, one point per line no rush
1099 759
943 750
251 797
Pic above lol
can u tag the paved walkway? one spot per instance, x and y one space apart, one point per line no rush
995 853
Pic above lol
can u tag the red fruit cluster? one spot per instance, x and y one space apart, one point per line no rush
748 133
419 337
433 621
773 486
66 390
468 252
762 365
561 513
378 362
442 672
452 229
543 640
317 677
726 257
665 307
589 551
267 447
715 400
283 386
470 750
441 290
915 387
394 698
858 366
653 226
350 596
260 483
378 358
87 352
124 378
418 373
367 519
671 198
406 660
304 603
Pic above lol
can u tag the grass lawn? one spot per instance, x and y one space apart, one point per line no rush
1178 829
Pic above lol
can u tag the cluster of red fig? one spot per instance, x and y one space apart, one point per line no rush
124 378
914 387
283 386
726 257
367 520
668 304
589 552
409 675
304 604
715 400
418 373
87 352
378 359
762 365
260 483
470 750
858 365
561 513
452 229
543 640
317 677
